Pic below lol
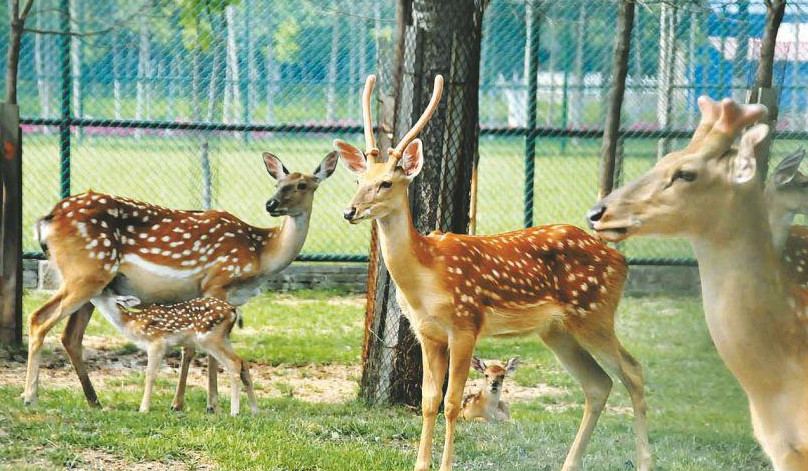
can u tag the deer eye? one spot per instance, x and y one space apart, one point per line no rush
386 184
301 186
685 175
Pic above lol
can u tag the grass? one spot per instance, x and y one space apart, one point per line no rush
697 414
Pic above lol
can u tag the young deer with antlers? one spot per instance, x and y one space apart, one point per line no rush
205 323
709 192
555 281
162 255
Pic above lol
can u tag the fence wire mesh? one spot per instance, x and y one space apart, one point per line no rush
173 101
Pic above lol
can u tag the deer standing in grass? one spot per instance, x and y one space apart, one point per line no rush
205 323
553 281
756 314
162 255
486 404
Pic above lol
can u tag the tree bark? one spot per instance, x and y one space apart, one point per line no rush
577 102
143 69
273 78
667 54
42 84
233 103
440 37
331 93
625 22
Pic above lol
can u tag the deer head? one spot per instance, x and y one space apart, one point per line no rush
786 195
294 191
494 373
687 191
382 183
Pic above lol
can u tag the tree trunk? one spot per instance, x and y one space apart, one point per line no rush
273 77
11 228
76 53
116 74
763 91
252 69
331 93
213 85
196 106
42 85
577 102
667 54
143 70
625 22
739 81
442 37
232 95
352 58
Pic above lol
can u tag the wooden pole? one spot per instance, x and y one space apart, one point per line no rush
11 243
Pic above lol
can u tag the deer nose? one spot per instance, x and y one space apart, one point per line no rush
349 213
594 214
272 204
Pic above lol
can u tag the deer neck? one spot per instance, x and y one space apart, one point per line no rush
780 219
745 302
400 243
285 244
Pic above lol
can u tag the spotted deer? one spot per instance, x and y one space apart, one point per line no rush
709 192
162 255
486 404
205 323
554 281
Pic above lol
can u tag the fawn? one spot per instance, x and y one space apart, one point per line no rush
202 322
486 403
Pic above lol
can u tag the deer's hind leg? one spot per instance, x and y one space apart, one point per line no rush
596 385
188 353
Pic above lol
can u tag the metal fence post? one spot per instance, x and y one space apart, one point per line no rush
530 132
65 97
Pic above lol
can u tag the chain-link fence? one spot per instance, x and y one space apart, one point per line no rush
173 101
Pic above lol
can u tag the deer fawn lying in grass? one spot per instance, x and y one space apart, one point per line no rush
486 403
710 192
203 322
164 255
554 281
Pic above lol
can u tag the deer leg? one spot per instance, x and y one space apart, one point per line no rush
72 296
41 321
72 338
188 352
223 352
155 352
248 385
461 348
435 358
595 383
630 374
213 384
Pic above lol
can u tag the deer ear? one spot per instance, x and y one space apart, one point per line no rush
478 364
352 158
788 169
127 301
275 167
744 165
512 364
412 160
327 166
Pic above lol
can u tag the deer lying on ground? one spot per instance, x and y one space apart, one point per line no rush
205 323
164 256
709 192
486 404
553 281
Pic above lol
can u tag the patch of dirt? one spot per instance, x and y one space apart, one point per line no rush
101 460
111 361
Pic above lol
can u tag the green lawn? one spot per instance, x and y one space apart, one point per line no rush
697 414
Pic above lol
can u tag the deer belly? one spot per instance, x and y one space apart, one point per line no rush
509 322
155 286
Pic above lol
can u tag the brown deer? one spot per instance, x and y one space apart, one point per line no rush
162 255
709 192
554 281
205 323
486 404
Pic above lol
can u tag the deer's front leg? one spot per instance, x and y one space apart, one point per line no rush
434 355
461 347
213 288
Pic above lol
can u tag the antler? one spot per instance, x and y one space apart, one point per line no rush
430 110
370 144
710 112
735 117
